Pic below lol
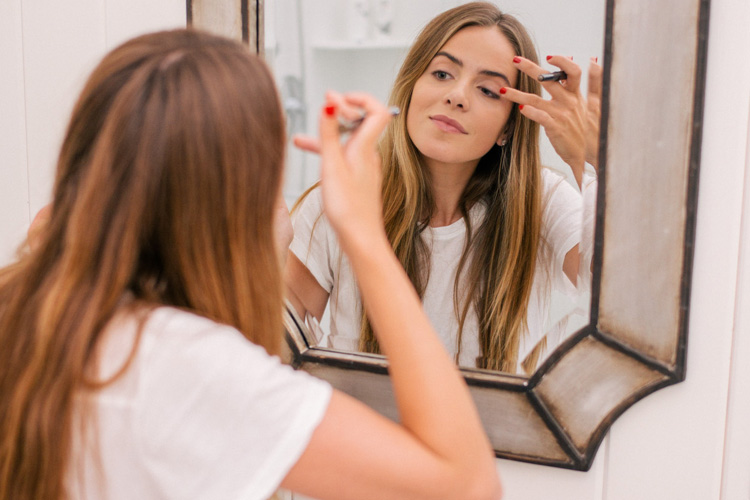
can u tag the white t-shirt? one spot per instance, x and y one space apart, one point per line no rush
201 412
316 246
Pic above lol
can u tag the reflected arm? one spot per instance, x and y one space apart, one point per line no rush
303 290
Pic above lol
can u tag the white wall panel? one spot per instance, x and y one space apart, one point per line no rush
736 471
669 446
129 18
14 193
523 481
62 42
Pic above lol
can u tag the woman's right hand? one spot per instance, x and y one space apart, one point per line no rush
351 172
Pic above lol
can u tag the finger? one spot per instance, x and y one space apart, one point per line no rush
533 113
377 117
331 151
573 82
523 98
533 70
306 143
345 111
595 78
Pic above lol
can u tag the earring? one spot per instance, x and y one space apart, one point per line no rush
503 142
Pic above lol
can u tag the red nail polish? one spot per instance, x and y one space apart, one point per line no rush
596 59
516 59
503 90
330 110
520 106
549 57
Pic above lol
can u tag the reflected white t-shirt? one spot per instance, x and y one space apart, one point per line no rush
316 246
201 412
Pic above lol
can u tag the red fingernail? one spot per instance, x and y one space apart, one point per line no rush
330 110
549 57
520 106
570 57
516 59
596 59
503 90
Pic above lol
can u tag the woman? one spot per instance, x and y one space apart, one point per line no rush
137 337
482 230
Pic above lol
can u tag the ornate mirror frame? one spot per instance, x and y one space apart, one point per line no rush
635 342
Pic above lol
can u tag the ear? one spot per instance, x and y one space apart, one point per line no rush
507 132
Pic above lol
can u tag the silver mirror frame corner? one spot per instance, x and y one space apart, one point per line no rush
636 339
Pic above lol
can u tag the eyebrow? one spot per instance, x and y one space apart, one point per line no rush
459 63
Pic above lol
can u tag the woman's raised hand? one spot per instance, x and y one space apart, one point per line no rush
351 172
563 116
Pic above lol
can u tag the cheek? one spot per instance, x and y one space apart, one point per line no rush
494 123
415 109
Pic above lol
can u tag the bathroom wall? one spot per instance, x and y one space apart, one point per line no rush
46 51
689 441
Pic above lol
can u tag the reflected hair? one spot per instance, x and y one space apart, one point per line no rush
164 195
496 269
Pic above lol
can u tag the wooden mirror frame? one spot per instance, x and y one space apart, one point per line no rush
635 342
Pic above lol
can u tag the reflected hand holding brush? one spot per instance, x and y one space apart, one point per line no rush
348 126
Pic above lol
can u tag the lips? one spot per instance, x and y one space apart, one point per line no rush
448 124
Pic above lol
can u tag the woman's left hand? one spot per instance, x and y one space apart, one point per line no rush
563 116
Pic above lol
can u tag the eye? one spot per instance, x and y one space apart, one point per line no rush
441 75
489 93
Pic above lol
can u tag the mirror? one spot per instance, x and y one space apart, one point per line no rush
360 45
634 342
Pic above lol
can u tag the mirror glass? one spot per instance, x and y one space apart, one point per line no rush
359 45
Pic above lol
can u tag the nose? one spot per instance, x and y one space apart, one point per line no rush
457 96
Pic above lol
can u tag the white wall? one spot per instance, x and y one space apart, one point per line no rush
689 441
46 51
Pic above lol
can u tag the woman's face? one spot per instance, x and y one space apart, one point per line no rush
456 112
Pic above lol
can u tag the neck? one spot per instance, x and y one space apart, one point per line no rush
448 183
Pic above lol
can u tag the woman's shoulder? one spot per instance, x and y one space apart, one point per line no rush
558 188
552 178
310 202
175 333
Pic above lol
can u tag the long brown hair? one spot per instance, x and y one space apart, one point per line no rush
501 253
164 193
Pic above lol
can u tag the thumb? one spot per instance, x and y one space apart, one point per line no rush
331 152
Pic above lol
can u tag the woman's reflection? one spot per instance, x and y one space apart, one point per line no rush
484 232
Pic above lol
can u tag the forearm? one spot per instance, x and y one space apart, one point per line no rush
432 397
303 290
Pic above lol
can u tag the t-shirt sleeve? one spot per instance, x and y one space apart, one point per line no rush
314 240
561 225
220 418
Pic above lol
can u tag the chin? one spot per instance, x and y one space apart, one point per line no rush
445 154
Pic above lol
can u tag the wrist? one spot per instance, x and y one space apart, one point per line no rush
362 244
